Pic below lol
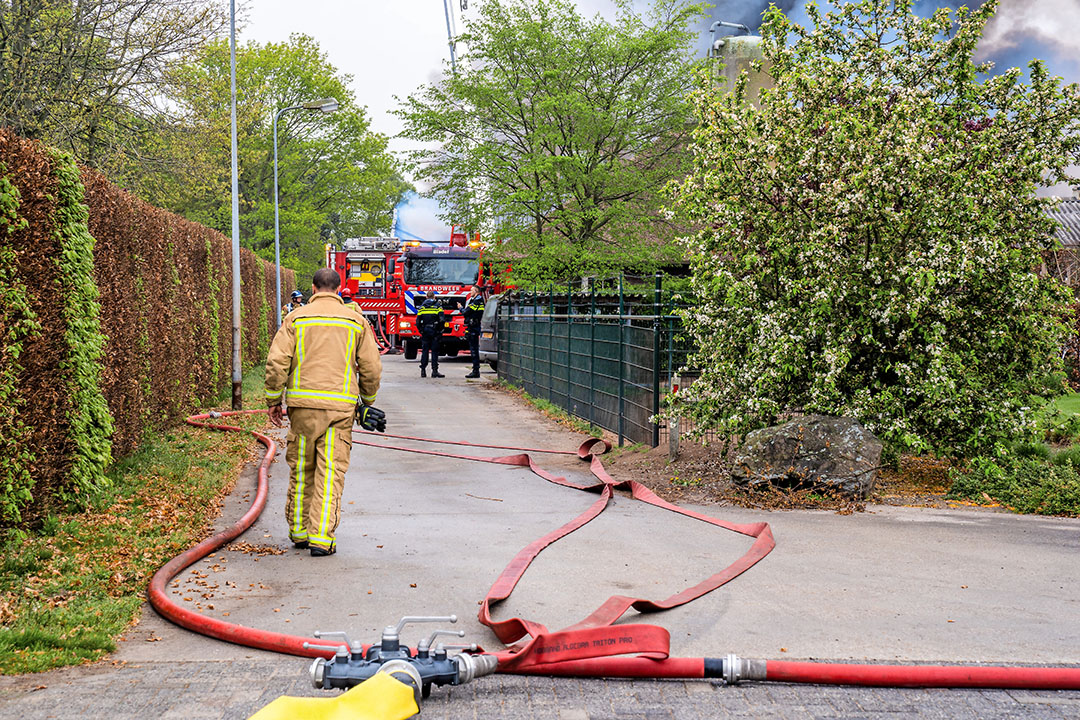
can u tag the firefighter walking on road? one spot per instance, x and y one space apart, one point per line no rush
474 313
324 362
432 323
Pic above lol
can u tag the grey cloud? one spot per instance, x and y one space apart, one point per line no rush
1054 22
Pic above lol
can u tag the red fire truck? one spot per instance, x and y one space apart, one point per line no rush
385 275
365 266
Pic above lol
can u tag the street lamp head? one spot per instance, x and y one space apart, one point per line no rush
327 105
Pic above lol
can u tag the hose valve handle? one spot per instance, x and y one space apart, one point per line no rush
425 644
441 649
471 647
335 633
342 651
391 635
421 619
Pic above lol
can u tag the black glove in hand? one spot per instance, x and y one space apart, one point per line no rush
371 418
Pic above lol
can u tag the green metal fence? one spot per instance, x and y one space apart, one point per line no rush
604 357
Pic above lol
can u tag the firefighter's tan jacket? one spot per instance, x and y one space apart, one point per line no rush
323 357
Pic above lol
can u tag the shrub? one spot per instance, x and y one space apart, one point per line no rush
1022 484
1036 450
1068 455
82 380
1060 427
861 225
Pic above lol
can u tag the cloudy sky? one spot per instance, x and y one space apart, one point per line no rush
392 47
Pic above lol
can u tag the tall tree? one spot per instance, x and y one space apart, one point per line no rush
871 234
556 132
85 75
336 177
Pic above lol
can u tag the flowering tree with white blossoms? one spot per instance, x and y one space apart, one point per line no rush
871 238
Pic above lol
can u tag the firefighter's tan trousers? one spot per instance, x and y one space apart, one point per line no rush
318 448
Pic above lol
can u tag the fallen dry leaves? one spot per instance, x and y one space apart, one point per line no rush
253 549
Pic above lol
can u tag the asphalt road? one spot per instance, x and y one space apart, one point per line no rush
422 535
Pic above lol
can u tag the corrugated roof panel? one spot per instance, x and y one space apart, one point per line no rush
1068 216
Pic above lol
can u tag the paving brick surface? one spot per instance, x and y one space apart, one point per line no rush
235 689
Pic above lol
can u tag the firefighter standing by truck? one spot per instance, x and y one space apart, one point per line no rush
474 313
324 362
297 300
432 323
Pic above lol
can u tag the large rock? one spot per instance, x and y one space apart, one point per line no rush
834 452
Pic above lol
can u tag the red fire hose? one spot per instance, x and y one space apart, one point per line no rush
596 646
1034 678
202 624
380 337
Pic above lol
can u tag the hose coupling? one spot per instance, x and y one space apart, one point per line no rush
732 669
737 669
470 667
318 673
404 672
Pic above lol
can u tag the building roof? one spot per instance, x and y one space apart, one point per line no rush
1068 216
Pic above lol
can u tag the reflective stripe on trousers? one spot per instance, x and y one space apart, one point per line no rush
319 445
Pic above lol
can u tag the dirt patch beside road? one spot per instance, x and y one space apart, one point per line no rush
700 476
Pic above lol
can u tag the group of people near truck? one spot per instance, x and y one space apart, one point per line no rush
325 362
431 320
297 300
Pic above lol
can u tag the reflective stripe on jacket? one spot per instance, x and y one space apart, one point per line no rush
430 319
474 313
323 357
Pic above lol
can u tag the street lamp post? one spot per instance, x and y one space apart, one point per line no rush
450 35
326 105
237 370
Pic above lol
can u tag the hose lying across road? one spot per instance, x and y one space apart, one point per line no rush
596 646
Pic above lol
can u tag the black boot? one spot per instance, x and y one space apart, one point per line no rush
436 374
423 372
474 374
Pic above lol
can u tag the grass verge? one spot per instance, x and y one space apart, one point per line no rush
68 589
550 409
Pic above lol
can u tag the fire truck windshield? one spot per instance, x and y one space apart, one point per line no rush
442 271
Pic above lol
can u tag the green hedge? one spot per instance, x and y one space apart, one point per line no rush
17 323
89 426
114 321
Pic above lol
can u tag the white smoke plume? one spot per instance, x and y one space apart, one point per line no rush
1055 23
